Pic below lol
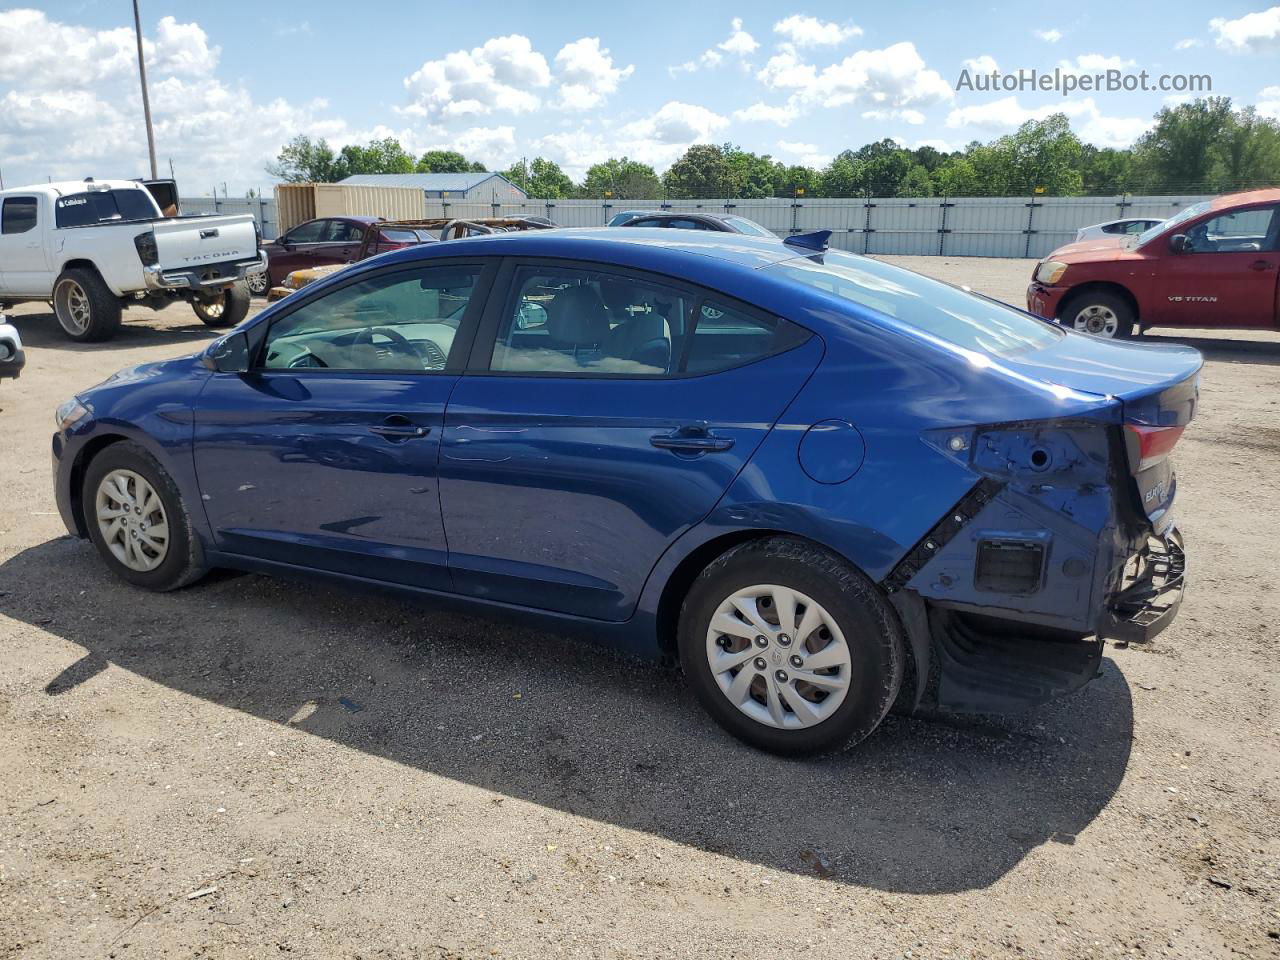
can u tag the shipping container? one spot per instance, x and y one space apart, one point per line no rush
298 202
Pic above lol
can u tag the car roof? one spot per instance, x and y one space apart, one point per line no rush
1247 198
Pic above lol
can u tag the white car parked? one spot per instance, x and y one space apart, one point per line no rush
94 247
1128 225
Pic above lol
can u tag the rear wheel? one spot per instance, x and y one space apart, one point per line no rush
137 520
1101 314
86 309
226 309
259 284
789 648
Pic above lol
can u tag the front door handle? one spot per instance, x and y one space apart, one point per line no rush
1260 265
397 428
691 439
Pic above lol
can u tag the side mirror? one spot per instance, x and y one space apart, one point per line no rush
12 359
284 243
1178 243
230 354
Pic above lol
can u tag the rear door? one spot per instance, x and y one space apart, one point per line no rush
340 242
604 413
24 260
324 455
1227 275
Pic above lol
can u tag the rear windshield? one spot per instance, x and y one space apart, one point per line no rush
949 313
749 227
104 206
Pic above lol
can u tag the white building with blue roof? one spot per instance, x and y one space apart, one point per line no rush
482 187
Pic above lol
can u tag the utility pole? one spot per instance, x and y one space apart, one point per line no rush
146 99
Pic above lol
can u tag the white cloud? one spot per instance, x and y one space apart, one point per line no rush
811 32
740 43
1052 35
1252 33
1269 102
767 113
587 74
786 71
70 106
497 75
914 117
1089 122
1189 43
677 123
894 77
983 64
806 154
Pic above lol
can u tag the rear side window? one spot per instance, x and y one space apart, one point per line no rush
103 206
342 231
938 309
726 337
19 215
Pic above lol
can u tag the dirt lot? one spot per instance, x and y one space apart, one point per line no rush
355 778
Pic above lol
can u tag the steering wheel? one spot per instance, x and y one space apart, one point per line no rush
399 344
304 360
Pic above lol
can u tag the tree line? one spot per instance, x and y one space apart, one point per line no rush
1204 146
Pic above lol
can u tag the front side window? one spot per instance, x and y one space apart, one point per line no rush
1182 216
939 309
308 232
399 322
1242 231
586 322
104 206
19 215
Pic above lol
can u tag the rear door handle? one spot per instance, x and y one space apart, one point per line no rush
399 428
1260 265
691 439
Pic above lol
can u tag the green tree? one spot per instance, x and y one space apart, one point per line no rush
1104 170
378 156
626 179
303 160
844 176
542 179
1249 152
754 175
917 183
1182 152
801 177
447 161
956 177
703 171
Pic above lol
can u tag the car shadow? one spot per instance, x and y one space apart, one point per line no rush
923 806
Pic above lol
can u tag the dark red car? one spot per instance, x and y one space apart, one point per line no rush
311 244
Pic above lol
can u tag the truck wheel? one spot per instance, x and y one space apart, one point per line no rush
259 284
789 648
226 310
1102 314
86 309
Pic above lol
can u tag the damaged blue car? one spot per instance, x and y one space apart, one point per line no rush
825 485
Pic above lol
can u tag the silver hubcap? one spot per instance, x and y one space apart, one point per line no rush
71 304
1098 320
258 283
132 521
778 656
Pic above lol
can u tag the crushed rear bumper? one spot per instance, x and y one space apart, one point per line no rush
1150 593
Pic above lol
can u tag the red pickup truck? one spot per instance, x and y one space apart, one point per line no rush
1215 264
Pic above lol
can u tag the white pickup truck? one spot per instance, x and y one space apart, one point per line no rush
95 247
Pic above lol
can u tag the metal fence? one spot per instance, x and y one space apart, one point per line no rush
931 226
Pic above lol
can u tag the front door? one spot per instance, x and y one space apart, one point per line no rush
24 263
325 455
1226 276
592 430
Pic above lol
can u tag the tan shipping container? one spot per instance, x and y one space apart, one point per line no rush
298 202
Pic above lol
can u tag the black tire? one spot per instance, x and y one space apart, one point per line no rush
183 560
87 310
863 615
1093 309
259 284
227 310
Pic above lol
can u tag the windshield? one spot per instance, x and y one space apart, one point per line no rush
949 313
749 227
1183 216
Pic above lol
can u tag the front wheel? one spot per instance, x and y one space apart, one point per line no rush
789 648
259 284
225 309
137 520
1101 314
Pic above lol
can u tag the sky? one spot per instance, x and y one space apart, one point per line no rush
578 83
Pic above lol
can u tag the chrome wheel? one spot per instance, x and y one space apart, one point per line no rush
258 284
132 520
778 656
1099 320
211 309
71 304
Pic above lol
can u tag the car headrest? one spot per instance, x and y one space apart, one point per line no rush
577 315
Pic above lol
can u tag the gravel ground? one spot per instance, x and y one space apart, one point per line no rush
250 768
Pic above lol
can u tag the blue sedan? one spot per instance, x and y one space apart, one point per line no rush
825 485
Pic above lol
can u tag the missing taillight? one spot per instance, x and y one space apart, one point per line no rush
148 251
1149 445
